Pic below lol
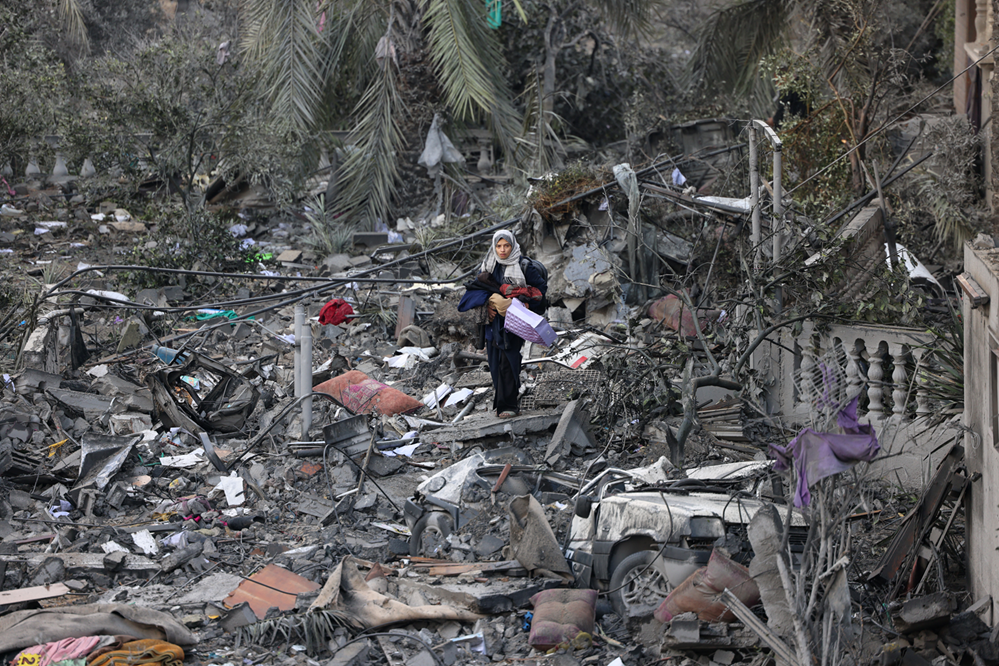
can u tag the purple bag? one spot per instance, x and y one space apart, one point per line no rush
525 324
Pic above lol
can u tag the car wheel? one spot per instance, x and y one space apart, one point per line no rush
637 588
429 535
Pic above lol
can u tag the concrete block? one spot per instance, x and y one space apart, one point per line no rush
925 612
240 615
370 239
405 315
571 431
290 256
765 532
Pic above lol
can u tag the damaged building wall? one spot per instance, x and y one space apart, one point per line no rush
981 408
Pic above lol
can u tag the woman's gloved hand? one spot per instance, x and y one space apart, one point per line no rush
497 305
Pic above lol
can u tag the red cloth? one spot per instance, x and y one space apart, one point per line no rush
335 312
531 293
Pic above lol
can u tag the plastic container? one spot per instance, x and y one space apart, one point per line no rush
168 355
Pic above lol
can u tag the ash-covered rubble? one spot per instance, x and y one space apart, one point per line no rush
281 489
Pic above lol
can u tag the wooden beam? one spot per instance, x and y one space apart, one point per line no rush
972 290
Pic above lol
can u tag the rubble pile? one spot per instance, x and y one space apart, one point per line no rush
300 465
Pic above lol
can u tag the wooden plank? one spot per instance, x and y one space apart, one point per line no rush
33 593
972 290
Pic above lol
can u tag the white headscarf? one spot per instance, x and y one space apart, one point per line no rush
512 272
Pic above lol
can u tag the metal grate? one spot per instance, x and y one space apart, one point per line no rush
559 387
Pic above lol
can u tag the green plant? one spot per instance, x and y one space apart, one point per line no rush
942 371
329 235
216 250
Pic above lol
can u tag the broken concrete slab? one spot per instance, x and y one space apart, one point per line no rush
490 598
33 380
88 405
932 610
352 654
135 398
571 431
488 425
81 564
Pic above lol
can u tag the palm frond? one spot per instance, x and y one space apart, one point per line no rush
71 17
282 39
629 17
460 49
469 62
732 42
371 171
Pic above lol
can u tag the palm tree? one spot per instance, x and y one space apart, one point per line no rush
323 62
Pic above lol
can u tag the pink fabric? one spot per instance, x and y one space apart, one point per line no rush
50 653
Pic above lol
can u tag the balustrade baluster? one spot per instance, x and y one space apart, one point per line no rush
875 385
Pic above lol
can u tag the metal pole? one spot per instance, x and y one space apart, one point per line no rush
306 375
754 197
299 320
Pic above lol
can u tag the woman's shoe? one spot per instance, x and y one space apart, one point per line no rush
507 414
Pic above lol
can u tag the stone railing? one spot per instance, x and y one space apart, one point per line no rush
857 356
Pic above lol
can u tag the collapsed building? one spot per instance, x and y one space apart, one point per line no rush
300 466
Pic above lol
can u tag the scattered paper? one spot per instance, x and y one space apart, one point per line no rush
145 542
406 451
191 459
98 371
232 486
458 396
432 399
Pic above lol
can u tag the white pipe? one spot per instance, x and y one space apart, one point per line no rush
299 320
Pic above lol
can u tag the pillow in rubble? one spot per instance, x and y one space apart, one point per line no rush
699 593
363 395
562 616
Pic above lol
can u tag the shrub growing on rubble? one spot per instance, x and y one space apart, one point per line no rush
181 112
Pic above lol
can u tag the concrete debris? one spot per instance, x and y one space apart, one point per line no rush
190 444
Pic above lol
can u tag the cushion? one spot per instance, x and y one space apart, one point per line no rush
562 616
363 395
699 593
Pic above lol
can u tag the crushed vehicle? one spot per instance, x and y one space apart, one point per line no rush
453 497
639 540
637 533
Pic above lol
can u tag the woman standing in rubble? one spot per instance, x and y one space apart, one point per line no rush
505 274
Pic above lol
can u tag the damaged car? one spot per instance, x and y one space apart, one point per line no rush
638 540
451 498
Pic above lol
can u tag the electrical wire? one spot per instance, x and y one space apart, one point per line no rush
429 647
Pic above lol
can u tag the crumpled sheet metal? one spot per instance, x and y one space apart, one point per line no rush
347 591
23 629
225 408
272 586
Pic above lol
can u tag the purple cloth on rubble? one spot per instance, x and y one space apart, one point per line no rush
817 455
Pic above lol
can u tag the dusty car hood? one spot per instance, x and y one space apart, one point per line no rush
666 517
